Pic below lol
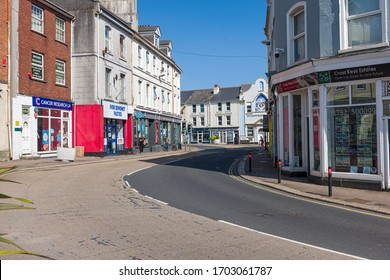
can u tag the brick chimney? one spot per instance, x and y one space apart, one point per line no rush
216 89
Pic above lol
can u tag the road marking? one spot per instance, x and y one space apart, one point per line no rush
159 201
292 241
138 170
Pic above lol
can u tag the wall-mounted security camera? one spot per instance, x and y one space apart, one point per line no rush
278 52
266 42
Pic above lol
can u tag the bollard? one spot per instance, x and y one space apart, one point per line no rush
279 171
329 181
250 162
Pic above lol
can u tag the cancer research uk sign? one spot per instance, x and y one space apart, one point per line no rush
114 110
51 103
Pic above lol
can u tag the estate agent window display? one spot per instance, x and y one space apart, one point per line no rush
352 137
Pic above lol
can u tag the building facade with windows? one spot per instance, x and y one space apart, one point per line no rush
156 79
102 75
40 78
212 112
330 88
254 119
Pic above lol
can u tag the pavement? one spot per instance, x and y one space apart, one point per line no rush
263 174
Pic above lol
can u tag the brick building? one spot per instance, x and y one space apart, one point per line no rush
41 87
4 98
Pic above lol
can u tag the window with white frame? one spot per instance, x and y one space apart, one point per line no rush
227 106
202 121
37 19
249 131
154 65
139 56
148 95
122 86
297 33
248 107
194 108
108 38
219 107
168 97
228 120
60 29
140 92
108 82
219 120
147 61
37 66
60 72
194 121
122 46
202 108
363 22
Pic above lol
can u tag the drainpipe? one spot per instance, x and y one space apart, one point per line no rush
9 95
98 13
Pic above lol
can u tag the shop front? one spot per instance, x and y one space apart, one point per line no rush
41 125
200 136
156 128
104 129
336 120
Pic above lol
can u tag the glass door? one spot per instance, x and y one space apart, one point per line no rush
111 136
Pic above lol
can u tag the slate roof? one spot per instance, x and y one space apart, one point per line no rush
205 95
147 28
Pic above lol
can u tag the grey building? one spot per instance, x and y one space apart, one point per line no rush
329 80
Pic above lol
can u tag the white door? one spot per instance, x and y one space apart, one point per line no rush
26 136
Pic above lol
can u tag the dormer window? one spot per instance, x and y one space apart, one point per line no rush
156 41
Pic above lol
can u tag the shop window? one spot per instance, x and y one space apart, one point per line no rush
316 130
53 129
297 121
286 133
338 96
352 137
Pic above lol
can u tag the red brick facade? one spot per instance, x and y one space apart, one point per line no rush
3 41
47 45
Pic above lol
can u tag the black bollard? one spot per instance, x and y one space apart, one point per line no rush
279 171
329 181
250 162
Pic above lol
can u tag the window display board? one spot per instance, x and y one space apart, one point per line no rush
355 144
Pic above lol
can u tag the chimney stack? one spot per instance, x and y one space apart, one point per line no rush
216 89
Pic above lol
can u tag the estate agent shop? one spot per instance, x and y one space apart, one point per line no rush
338 118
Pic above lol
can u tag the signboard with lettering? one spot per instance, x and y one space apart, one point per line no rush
51 103
354 73
115 110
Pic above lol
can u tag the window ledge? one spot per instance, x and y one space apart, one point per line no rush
365 47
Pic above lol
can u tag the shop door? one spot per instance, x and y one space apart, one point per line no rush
200 137
111 130
26 136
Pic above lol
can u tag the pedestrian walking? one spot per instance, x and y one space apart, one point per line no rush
142 143
166 144
261 141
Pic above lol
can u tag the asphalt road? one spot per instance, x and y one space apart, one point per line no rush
202 185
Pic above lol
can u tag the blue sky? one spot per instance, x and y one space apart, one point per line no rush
214 41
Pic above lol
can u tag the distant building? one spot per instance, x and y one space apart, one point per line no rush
254 118
40 78
212 112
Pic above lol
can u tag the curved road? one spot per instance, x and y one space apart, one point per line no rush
202 185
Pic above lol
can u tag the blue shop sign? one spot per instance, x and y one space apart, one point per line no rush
51 103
